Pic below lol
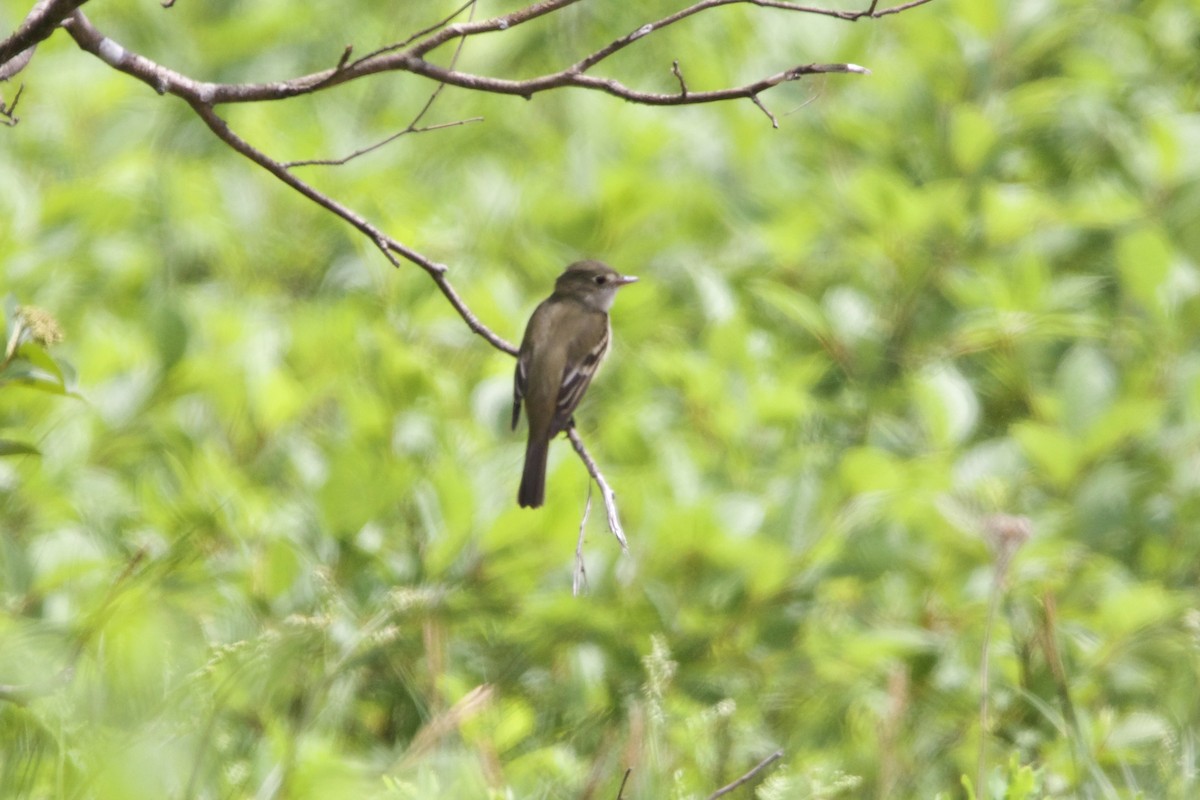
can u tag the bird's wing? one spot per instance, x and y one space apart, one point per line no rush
583 360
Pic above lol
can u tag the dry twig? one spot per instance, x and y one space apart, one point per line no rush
579 582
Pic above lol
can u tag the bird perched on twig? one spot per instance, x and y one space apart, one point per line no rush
566 339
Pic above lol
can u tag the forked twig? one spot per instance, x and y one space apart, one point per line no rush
412 126
606 492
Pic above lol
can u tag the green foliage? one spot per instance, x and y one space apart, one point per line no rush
27 363
276 551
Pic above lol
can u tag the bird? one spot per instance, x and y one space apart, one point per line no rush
565 341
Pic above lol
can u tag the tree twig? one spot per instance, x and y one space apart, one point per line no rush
411 59
683 90
765 110
41 21
624 780
606 492
337 162
579 581
749 776
412 126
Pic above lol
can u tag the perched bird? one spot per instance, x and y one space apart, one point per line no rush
565 341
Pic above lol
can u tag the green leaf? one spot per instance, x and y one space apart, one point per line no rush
1143 261
32 378
1052 451
1087 383
9 447
1022 779
868 469
36 355
972 137
171 336
948 405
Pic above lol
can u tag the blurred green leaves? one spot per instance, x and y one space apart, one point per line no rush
29 332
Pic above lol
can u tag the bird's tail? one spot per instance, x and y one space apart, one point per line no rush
533 480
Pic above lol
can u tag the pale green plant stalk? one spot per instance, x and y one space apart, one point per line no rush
1005 534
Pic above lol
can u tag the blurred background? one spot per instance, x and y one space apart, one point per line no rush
270 547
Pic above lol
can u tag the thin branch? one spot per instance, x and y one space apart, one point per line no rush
606 492
412 60
8 111
579 581
412 126
569 78
423 32
791 111
453 63
683 90
650 27
765 110
501 23
17 63
766 762
386 244
337 162
624 780
41 21
894 9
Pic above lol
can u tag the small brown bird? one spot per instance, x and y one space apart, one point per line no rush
565 341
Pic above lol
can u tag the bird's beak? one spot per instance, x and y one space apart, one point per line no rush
624 279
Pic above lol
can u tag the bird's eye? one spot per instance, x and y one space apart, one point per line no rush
600 280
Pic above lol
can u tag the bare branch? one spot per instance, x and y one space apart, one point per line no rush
624 780
8 110
501 23
337 162
650 27
568 77
412 126
766 762
683 90
765 110
579 582
423 32
43 18
606 492
386 244
411 59
17 63
441 86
